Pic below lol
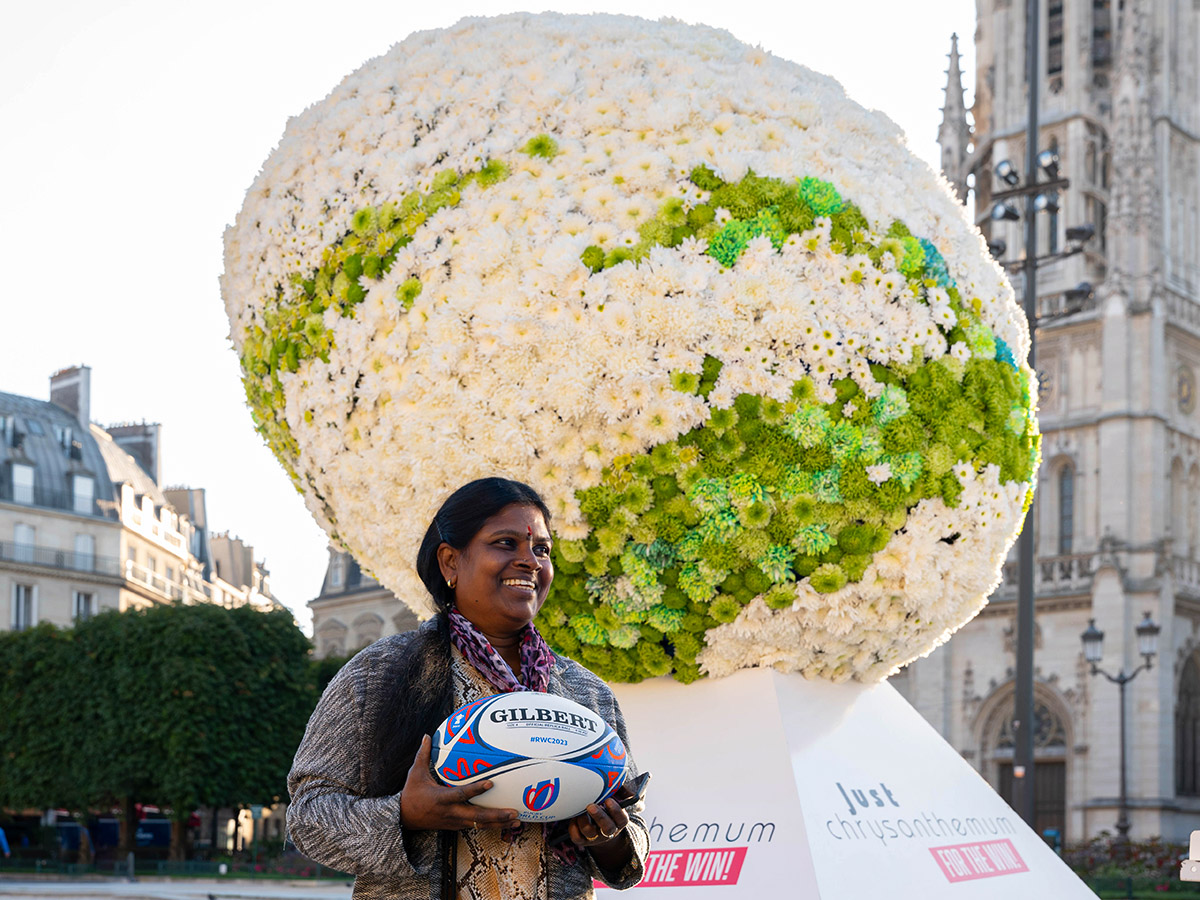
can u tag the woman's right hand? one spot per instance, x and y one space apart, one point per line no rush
428 804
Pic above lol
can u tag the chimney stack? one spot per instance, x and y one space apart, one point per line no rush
71 389
142 442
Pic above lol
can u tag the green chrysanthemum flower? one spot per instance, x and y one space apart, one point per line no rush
625 637
813 540
808 425
709 495
826 485
588 631
821 196
844 441
665 619
542 146
891 404
776 563
828 578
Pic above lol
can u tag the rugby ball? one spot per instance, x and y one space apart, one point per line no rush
546 756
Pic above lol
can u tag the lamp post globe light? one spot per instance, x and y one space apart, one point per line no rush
1093 651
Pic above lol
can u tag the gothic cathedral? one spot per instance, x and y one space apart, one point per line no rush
1117 513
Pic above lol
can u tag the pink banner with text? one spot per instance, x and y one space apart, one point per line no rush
985 859
690 868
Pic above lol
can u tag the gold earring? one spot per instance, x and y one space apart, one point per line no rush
450 584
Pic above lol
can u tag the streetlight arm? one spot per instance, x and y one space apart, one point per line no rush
1120 678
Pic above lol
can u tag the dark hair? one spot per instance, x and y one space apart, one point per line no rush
425 692
459 520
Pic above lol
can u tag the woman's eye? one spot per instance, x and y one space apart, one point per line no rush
542 549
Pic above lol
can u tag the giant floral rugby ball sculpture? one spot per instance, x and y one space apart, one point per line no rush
750 349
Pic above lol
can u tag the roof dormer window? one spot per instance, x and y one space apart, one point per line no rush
83 494
22 483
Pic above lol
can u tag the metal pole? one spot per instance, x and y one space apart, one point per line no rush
1023 724
1123 808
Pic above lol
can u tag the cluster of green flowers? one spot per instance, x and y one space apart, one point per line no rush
293 327
766 493
761 495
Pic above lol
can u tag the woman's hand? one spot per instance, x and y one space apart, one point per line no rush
601 831
428 804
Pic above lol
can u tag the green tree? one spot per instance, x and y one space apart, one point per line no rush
38 718
183 706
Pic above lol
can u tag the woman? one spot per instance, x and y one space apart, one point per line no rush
363 797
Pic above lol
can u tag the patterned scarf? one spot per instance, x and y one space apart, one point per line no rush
536 658
536 662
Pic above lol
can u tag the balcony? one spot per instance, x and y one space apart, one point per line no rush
1053 576
46 499
54 558
162 588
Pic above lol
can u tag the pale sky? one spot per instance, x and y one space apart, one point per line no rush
131 131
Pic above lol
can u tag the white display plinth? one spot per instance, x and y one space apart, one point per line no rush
768 785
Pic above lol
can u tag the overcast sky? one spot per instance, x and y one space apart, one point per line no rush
131 131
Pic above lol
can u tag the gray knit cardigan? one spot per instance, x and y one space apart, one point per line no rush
331 819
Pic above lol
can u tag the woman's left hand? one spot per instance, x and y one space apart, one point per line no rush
600 828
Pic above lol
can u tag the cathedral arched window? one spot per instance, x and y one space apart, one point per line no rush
367 629
1101 41
1187 731
1051 738
1054 43
1066 510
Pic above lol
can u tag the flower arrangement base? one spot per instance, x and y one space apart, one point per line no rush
765 781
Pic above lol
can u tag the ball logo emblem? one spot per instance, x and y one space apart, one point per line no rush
538 797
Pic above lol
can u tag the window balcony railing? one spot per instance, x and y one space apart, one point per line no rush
48 499
163 587
1067 574
54 558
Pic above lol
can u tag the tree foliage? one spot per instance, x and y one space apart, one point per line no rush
182 706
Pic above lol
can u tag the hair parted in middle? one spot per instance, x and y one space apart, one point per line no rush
459 519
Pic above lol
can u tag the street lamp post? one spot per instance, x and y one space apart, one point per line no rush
1040 193
1093 649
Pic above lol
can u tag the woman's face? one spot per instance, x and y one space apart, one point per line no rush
503 575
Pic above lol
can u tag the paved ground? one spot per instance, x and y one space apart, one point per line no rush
174 889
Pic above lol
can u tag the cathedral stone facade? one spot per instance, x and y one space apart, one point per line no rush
1117 512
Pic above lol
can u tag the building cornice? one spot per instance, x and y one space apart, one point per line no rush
61 574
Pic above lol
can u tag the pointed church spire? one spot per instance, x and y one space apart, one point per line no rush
954 133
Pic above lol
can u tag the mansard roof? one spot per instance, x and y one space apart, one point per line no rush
40 423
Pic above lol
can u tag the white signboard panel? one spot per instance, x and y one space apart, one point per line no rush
768 782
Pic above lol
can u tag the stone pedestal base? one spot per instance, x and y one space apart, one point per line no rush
768 785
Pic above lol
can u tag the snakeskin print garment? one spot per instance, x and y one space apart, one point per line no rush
490 867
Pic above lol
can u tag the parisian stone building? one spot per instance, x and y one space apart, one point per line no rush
353 609
1117 513
85 526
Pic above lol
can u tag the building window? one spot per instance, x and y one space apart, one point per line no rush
85 552
24 540
1066 510
335 572
24 606
83 492
1054 38
1101 41
1187 731
84 606
22 476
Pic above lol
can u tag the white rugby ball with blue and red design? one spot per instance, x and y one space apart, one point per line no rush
547 757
